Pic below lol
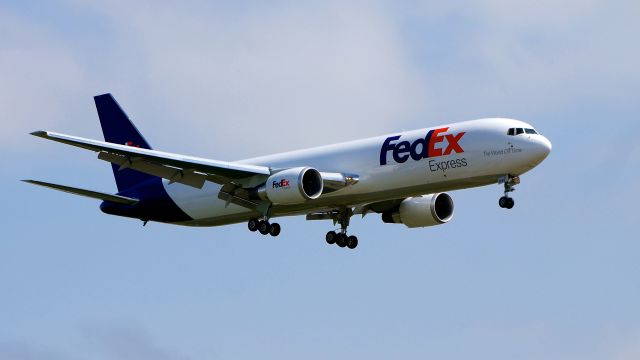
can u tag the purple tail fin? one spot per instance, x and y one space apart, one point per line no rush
118 129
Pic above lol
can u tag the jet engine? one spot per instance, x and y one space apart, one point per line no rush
427 210
293 186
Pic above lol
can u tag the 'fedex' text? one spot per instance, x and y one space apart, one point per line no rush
421 148
280 184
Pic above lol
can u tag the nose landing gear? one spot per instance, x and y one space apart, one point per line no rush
509 182
506 202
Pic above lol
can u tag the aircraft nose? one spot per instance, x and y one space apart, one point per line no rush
543 147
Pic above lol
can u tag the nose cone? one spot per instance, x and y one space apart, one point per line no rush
543 147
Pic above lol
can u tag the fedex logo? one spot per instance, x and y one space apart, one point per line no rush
280 184
436 143
130 143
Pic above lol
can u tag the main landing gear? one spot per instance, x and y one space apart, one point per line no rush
341 238
264 227
509 181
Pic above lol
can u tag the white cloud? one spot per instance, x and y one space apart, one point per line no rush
509 58
15 350
117 342
41 80
623 346
235 81
229 81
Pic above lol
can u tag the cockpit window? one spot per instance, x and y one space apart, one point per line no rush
518 131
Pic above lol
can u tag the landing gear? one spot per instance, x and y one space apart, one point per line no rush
331 237
509 182
264 227
253 225
275 229
341 238
352 242
506 202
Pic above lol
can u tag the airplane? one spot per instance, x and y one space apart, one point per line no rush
404 176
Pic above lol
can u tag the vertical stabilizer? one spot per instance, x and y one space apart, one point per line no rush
118 129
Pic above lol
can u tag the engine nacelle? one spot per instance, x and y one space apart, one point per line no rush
427 210
293 186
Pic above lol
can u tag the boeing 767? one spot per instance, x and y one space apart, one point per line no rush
403 176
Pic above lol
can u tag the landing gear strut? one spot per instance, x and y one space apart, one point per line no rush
509 181
264 227
341 238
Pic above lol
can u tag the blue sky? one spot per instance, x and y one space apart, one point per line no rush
557 277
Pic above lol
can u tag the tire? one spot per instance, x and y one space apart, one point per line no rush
510 203
341 240
352 242
503 202
331 237
253 225
275 229
264 227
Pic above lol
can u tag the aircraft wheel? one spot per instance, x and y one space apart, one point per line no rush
264 227
503 202
352 242
275 229
331 237
510 203
341 240
253 224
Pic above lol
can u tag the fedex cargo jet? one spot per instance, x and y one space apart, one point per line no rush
403 176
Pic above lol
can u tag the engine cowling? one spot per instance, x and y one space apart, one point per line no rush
427 210
294 186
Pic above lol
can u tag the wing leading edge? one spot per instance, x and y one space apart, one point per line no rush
188 170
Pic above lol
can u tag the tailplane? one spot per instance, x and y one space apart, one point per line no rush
118 129
88 193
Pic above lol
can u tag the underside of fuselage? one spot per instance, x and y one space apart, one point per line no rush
170 213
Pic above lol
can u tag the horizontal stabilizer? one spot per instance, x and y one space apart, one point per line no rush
88 193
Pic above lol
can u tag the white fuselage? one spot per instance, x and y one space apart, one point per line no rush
389 167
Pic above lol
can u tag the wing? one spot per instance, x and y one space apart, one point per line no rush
360 209
188 170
